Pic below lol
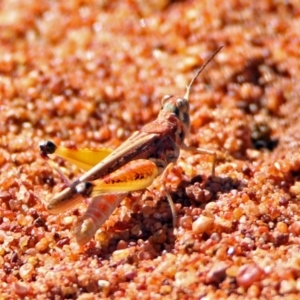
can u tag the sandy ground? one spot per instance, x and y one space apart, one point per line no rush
90 73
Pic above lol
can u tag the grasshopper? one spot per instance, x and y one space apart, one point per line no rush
111 175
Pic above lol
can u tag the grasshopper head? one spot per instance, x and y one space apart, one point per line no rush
180 107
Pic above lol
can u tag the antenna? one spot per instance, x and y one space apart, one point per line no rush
189 87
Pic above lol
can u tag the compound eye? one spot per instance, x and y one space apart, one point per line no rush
182 104
84 188
165 99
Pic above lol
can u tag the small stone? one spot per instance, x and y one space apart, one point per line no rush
232 271
217 273
184 279
295 189
159 237
122 245
120 254
294 228
68 220
104 285
203 224
21 289
287 286
224 224
42 245
26 271
165 289
248 274
186 222
87 296
135 230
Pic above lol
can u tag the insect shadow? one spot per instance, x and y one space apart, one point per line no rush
150 227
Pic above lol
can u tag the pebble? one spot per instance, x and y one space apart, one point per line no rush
203 224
